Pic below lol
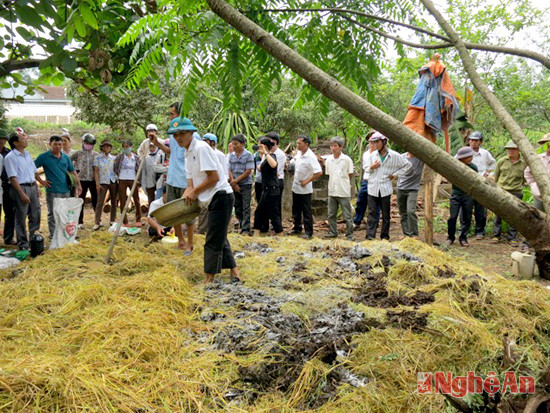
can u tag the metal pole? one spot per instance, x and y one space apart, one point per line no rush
119 223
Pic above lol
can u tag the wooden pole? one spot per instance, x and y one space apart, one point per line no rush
119 223
428 206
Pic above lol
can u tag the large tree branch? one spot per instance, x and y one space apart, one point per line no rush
545 61
531 157
529 221
8 66
398 39
338 10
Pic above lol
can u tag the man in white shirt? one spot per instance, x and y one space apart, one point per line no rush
157 230
363 193
485 164
306 170
281 161
205 182
384 164
21 171
339 168
143 149
212 141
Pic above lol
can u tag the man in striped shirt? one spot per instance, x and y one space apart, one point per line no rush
384 164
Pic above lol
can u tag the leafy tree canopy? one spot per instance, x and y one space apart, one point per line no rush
75 39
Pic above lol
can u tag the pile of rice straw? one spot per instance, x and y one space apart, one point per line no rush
77 334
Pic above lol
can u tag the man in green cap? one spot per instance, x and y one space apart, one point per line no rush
508 175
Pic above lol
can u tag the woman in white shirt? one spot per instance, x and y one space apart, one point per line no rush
126 167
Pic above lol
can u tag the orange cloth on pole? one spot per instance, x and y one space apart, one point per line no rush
416 114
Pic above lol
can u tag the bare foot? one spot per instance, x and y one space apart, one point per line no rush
209 278
235 274
188 251
181 245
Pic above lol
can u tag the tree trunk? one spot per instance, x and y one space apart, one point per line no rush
533 224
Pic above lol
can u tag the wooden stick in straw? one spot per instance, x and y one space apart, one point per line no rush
119 223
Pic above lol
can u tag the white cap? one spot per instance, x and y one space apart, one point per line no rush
151 126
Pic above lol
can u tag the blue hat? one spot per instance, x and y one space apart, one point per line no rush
181 125
210 137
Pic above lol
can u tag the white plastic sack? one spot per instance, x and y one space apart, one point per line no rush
66 212
124 230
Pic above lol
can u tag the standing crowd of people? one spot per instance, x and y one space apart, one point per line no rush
193 168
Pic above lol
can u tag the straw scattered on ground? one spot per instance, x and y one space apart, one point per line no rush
314 326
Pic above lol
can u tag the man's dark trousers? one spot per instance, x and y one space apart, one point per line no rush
301 205
463 205
242 206
362 202
23 211
9 214
480 214
217 251
280 202
375 203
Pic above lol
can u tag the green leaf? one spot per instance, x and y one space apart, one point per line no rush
80 26
154 88
20 99
69 65
58 79
105 89
29 15
88 15
69 32
25 34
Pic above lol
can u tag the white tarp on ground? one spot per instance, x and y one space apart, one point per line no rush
6 262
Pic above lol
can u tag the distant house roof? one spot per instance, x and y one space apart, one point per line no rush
54 93
50 94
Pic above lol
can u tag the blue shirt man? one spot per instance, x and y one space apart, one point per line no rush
56 166
56 169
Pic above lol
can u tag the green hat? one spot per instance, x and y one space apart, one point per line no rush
181 125
3 134
510 145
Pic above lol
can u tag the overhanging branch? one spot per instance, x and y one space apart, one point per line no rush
363 14
8 66
396 38
545 61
